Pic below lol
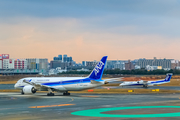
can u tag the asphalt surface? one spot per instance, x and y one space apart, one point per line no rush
11 86
6 86
14 106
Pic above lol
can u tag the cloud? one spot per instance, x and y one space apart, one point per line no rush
83 39
87 8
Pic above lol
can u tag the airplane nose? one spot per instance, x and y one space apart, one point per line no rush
15 86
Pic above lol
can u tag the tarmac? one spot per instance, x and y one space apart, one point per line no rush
14 106
11 87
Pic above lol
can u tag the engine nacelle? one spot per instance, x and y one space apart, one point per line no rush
29 89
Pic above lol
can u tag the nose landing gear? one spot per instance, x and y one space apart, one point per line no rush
145 86
50 92
22 92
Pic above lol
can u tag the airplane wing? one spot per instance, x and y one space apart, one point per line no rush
37 85
94 82
144 82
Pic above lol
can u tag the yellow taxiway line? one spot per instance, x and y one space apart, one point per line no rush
50 106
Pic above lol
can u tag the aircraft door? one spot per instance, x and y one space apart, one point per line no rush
81 83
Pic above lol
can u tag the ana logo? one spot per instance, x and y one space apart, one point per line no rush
167 78
29 80
98 67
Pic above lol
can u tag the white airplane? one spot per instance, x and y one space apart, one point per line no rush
146 83
64 84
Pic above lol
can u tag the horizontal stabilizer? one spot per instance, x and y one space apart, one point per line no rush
113 79
94 82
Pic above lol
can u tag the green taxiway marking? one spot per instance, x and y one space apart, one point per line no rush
98 112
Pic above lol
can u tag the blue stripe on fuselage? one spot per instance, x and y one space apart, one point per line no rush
158 81
68 82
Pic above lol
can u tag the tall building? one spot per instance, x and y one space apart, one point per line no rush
64 55
20 64
115 64
64 58
7 63
119 65
58 58
89 63
175 64
61 61
129 65
69 59
84 63
37 63
4 61
165 63
63 65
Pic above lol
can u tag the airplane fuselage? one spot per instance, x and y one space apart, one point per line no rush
141 83
60 84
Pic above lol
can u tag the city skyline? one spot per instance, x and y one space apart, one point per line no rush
88 30
9 57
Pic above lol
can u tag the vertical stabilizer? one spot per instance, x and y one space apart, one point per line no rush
168 77
99 68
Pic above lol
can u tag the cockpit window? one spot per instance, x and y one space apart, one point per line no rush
20 81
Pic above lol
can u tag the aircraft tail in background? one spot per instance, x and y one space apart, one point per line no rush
168 77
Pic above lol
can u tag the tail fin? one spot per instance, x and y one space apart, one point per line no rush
98 70
168 77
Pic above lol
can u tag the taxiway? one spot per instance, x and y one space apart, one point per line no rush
39 106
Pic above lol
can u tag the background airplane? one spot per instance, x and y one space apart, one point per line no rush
64 84
146 83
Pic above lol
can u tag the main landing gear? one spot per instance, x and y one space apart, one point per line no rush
66 93
50 92
145 86
22 92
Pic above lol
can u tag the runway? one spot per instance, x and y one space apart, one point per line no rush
39 106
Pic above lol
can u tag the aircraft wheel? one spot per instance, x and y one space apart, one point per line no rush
145 86
66 93
50 94
22 92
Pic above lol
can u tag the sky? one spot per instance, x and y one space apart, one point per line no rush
90 29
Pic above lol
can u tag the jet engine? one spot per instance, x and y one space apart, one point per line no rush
29 89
